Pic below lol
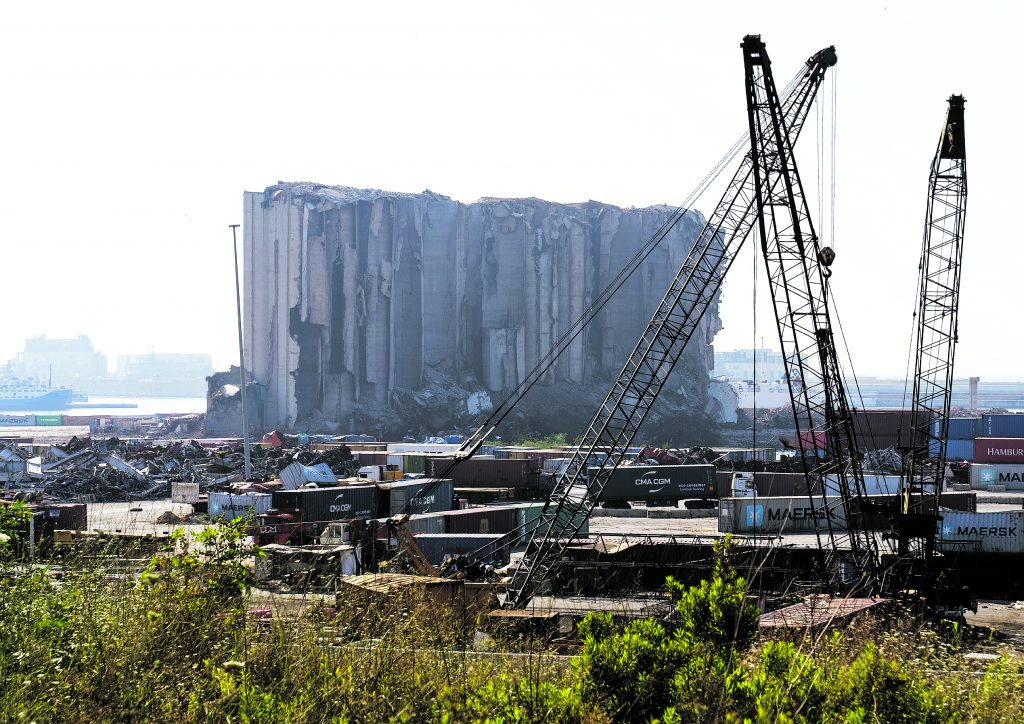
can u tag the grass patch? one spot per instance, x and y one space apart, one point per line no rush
84 640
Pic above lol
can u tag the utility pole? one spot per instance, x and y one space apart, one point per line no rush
241 358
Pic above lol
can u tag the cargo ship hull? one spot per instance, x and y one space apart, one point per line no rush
52 400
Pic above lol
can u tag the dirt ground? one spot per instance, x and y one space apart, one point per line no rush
45 435
138 518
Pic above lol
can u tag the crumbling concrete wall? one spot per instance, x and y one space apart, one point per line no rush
357 299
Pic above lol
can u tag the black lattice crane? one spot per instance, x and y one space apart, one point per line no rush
798 271
645 372
936 328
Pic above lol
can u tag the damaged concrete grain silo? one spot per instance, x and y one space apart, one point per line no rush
391 312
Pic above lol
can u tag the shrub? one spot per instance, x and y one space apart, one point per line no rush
716 611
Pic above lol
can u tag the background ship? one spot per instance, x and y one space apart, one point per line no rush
30 394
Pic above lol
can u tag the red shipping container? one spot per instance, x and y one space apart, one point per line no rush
999 450
818 438
372 458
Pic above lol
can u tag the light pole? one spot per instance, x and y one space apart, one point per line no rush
241 358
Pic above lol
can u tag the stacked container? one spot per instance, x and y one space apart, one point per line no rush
997 451
414 495
999 532
486 473
960 435
231 506
318 505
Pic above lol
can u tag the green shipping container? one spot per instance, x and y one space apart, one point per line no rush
49 420
415 463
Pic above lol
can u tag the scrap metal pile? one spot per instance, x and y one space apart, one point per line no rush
109 470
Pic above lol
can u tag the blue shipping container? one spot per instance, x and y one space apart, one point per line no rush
955 449
959 428
17 420
1002 425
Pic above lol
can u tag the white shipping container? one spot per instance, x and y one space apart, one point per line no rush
776 515
184 492
551 465
398 460
982 475
874 484
998 532
1012 476
238 506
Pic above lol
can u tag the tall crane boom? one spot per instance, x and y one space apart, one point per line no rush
645 372
798 274
938 303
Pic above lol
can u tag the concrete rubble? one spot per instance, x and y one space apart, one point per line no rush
109 470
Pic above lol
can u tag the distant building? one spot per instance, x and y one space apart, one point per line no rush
746 364
76 364
165 373
70 361
167 365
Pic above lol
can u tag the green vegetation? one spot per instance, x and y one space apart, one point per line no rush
543 442
90 639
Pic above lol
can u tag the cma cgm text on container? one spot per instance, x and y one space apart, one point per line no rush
999 450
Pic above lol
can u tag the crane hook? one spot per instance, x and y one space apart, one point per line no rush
825 257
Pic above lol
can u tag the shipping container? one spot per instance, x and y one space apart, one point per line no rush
959 428
1005 425
999 450
529 518
812 440
777 515
395 497
965 501
423 448
412 463
986 532
296 475
659 482
874 484
539 456
17 420
486 519
184 492
49 420
798 515
69 516
371 458
484 473
491 549
742 455
984 475
431 524
879 429
769 485
552 465
231 506
77 420
318 505
955 449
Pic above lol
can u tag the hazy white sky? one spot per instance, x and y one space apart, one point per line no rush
130 131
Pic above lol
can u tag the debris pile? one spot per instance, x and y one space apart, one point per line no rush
112 470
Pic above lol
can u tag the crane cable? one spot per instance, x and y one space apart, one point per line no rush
844 342
576 328
549 358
